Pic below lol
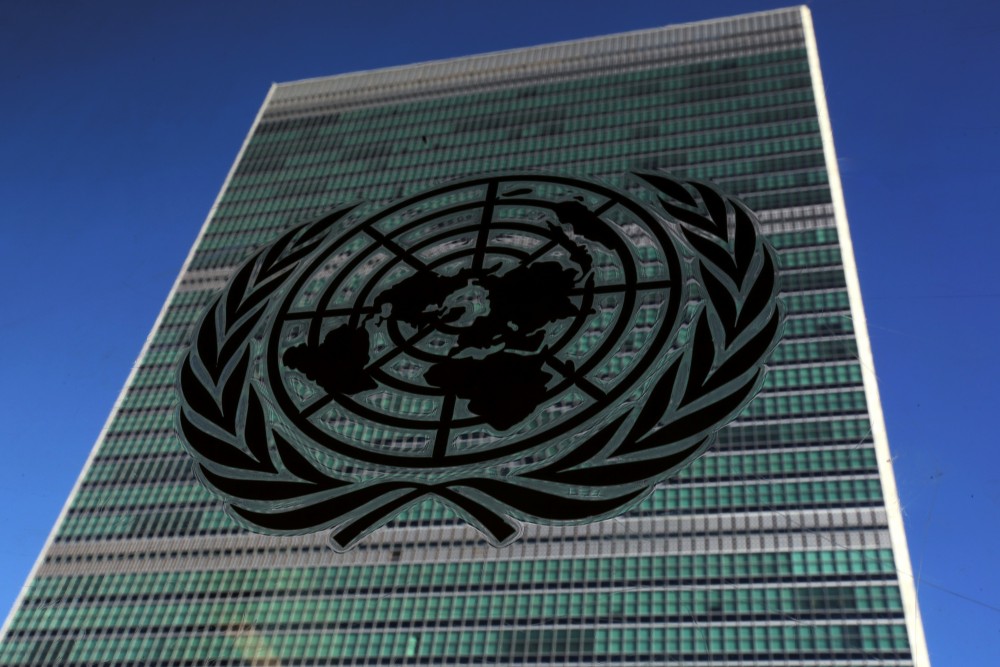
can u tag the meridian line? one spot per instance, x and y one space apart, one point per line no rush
484 226
396 351
540 251
444 429
397 249
316 406
583 383
611 203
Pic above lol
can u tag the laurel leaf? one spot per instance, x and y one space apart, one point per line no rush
236 291
232 391
689 217
255 428
267 282
544 505
656 402
702 358
744 244
500 527
259 489
716 206
320 513
713 252
669 186
632 471
580 454
198 396
207 343
213 449
275 251
236 339
293 258
722 300
760 294
299 465
694 423
345 536
255 298
746 356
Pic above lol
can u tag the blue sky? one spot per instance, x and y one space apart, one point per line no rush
120 122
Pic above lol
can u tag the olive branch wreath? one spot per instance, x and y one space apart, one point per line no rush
269 485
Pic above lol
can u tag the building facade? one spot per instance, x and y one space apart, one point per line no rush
783 545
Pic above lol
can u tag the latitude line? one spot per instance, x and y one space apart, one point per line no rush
444 430
583 383
482 239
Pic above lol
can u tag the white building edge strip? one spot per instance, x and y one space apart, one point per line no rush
901 554
128 382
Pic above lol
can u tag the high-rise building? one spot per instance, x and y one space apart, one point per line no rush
783 545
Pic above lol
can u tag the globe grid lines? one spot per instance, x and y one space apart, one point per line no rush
622 253
486 225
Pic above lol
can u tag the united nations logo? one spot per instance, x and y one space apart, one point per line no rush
520 347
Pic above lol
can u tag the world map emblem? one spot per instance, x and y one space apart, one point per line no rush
519 347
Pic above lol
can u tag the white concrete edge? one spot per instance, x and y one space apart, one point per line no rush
128 382
897 534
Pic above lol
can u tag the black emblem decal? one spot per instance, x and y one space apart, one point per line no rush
518 346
